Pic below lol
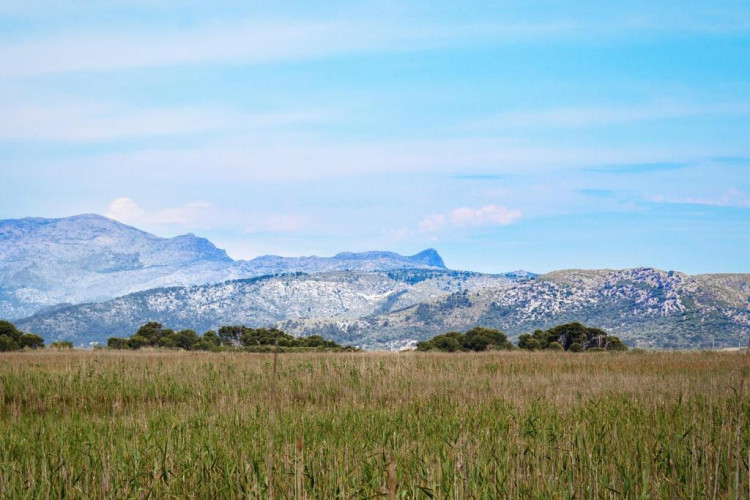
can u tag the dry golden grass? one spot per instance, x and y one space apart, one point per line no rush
357 425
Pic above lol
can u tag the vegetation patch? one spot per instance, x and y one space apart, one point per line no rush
13 339
476 339
173 424
153 334
573 337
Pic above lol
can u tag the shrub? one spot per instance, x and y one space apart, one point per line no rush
476 339
62 344
13 339
229 337
573 337
555 346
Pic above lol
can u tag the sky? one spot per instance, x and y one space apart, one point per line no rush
534 135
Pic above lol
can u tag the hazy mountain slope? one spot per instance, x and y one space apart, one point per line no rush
47 262
645 307
44 262
257 302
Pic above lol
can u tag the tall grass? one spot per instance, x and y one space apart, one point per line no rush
362 425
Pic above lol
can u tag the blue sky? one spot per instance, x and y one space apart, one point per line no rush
507 135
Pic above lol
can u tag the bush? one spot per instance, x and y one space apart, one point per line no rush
62 344
8 344
476 339
229 337
117 343
31 341
555 346
573 337
138 341
13 339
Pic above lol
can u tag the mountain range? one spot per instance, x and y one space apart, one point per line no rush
86 278
647 308
46 263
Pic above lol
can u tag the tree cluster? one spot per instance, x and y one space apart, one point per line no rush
476 339
573 337
153 334
13 339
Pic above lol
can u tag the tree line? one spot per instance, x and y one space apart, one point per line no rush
572 337
154 334
13 339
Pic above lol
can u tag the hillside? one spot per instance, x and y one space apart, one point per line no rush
645 307
264 301
46 263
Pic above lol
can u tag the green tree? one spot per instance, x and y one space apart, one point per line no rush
61 344
231 335
31 341
138 341
167 342
117 343
613 343
554 346
528 342
186 338
480 339
7 343
447 343
9 329
476 339
211 338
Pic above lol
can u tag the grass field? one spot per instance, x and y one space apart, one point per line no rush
362 425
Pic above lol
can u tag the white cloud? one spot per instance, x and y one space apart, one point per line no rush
488 215
194 215
254 42
301 157
125 210
462 217
93 121
204 215
277 223
431 223
731 198
606 115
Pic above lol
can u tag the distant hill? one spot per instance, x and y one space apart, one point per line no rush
263 301
46 263
87 277
645 307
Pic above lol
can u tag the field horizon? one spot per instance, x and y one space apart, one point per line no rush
176 424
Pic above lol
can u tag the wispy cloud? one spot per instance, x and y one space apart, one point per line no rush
277 223
639 168
431 223
252 42
598 193
580 117
732 198
87 121
479 177
732 160
299 157
193 215
463 217
205 215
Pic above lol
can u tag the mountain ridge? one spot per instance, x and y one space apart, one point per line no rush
258 301
48 263
644 306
